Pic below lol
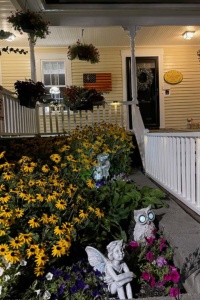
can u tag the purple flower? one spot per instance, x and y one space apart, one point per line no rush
80 284
95 293
150 256
146 276
61 289
152 281
174 292
56 272
67 277
167 277
97 273
133 244
150 241
73 289
100 183
161 261
160 284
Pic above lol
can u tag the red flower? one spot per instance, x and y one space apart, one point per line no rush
150 256
175 276
133 244
152 281
167 277
150 241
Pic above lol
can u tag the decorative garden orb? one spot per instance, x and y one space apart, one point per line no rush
144 226
102 170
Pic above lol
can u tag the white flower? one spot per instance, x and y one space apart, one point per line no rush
49 276
0 289
46 295
6 277
23 263
18 273
6 263
37 292
1 271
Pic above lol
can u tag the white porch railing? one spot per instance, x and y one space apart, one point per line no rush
173 161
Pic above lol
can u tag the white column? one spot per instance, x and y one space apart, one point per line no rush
32 58
132 31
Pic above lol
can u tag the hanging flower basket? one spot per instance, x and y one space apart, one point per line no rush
81 51
31 23
144 78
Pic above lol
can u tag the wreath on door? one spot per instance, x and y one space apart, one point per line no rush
144 78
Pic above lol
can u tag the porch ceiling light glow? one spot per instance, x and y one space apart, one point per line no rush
54 90
187 35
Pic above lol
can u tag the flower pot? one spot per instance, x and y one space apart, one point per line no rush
83 106
26 25
27 101
83 56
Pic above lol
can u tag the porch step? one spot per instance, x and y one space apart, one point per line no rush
182 232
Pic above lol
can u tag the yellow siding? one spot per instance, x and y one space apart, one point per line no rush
184 99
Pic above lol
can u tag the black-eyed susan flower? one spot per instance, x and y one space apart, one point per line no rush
33 223
18 212
98 213
64 148
82 215
58 230
45 168
31 251
3 249
26 237
2 154
5 199
13 256
61 204
90 183
2 232
90 208
7 212
39 271
77 220
16 242
2 187
45 219
8 175
58 250
41 259
39 197
56 158
53 219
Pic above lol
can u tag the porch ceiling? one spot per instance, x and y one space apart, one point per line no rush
105 35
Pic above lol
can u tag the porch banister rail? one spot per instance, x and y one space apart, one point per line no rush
173 161
14 118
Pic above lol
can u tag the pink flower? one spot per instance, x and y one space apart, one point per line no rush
152 281
175 276
150 256
162 246
133 244
150 241
167 277
174 292
146 276
161 261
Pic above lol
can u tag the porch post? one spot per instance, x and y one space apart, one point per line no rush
132 31
32 57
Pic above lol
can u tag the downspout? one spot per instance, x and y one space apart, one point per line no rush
138 125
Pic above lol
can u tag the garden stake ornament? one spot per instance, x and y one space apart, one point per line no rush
102 170
117 274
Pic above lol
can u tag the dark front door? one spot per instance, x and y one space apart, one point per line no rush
147 89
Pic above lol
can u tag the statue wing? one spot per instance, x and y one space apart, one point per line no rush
96 259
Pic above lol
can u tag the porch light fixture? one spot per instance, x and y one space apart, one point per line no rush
11 38
187 35
54 90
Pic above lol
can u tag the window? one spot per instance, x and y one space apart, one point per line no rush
54 73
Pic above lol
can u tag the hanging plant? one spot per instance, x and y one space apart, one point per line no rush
4 34
82 51
31 23
144 78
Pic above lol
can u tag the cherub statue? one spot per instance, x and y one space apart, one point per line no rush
102 170
144 226
117 274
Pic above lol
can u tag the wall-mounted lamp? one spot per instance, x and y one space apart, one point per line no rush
11 38
187 35
54 90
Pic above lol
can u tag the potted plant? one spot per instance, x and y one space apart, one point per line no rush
29 92
82 51
30 22
80 98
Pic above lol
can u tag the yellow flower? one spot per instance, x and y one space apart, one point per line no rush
2 232
26 237
16 242
82 215
13 256
70 157
45 168
41 259
59 230
56 169
8 175
90 183
6 212
45 219
2 187
24 159
61 204
39 197
90 208
58 250
56 158
28 168
99 213
41 182
5 199
51 197
31 182
3 249
33 223
18 212
64 148
29 198
39 270
53 219
2 154
77 220
31 251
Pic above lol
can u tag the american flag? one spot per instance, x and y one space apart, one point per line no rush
98 81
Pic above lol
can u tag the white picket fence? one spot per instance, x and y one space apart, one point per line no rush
173 161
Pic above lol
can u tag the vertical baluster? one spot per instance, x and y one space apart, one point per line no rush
62 118
178 142
50 119
80 116
174 179
198 172
68 117
183 181
192 163
188 170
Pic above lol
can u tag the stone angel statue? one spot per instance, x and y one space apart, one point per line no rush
117 274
